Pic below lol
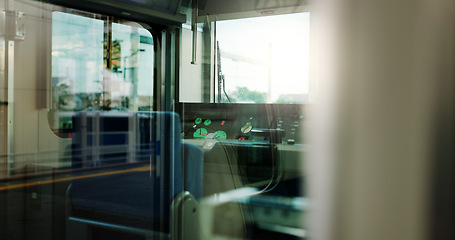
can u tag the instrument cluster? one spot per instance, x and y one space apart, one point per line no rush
281 123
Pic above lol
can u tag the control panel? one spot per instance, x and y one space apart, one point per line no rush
273 123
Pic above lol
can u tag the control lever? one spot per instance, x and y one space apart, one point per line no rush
275 135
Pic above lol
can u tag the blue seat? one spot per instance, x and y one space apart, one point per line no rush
129 167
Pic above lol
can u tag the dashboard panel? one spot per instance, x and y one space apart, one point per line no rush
243 122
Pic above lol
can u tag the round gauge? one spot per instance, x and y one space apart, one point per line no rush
220 134
246 128
207 122
198 120
200 133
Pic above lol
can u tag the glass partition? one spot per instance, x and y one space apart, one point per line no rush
87 151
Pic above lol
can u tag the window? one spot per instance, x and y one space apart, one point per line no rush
264 59
99 64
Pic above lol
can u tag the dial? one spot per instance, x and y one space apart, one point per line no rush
198 120
207 122
200 133
246 128
220 135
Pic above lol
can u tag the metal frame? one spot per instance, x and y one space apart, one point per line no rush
124 10
168 52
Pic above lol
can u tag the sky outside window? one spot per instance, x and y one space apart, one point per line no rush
268 56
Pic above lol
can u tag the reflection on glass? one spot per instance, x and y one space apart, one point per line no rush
77 61
132 67
99 65
108 168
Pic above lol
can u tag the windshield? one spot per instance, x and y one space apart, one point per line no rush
264 59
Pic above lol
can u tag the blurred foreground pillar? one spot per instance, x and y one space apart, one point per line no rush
384 137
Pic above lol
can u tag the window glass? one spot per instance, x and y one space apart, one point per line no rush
108 168
99 65
132 67
264 59
77 61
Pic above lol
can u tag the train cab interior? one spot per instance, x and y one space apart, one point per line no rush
226 119
143 119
